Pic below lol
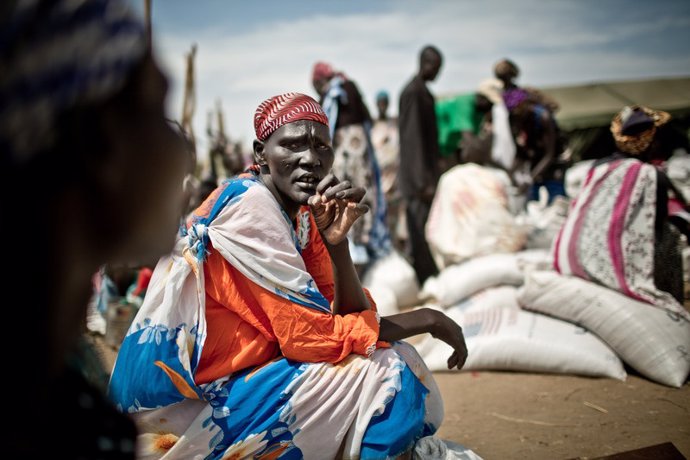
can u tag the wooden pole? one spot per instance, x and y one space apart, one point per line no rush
221 124
189 101
147 15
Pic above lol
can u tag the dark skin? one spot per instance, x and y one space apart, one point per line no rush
138 178
547 142
115 176
296 161
507 72
382 105
430 62
321 85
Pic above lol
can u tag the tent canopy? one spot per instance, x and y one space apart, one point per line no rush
593 105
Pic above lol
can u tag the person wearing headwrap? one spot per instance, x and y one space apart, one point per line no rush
618 232
256 338
355 160
91 174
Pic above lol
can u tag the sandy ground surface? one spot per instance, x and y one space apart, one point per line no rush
504 415
528 416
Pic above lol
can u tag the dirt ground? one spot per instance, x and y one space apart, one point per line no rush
503 415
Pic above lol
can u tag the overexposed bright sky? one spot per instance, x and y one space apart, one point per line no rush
249 51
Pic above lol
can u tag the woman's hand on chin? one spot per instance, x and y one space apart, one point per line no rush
336 207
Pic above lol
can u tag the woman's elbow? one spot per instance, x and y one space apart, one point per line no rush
312 353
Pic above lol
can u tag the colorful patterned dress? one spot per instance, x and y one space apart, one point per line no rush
235 352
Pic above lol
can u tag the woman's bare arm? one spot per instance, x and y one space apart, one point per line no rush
335 207
349 296
426 320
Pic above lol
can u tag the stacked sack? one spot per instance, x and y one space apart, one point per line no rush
481 295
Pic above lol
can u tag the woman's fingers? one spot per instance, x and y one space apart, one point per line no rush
355 194
315 201
323 212
461 355
457 360
333 190
329 181
453 360
360 208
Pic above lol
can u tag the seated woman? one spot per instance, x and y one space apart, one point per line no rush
256 338
617 233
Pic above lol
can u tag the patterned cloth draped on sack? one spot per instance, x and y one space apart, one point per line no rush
609 236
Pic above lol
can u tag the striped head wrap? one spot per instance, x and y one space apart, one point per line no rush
57 55
283 109
637 143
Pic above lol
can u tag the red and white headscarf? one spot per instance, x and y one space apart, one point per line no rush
283 109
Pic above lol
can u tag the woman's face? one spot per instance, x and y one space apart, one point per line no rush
298 155
321 86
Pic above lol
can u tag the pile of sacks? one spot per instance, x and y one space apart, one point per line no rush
518 314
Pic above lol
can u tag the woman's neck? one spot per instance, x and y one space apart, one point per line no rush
290 207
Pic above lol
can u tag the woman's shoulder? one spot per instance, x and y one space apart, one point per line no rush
229 192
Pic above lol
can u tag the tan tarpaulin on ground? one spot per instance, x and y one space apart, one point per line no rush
593 105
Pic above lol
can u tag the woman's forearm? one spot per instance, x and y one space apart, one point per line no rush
440 326
349 296
408 324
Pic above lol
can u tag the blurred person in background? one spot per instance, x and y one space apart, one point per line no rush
419 153
91 174
355 161
386 141
539 144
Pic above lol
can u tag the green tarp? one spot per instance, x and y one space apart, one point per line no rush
453 116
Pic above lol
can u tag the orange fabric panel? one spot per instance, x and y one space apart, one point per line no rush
318 262
248 325
236 338
309 336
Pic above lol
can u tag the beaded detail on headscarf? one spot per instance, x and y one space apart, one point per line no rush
57 55
283 109
635 144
